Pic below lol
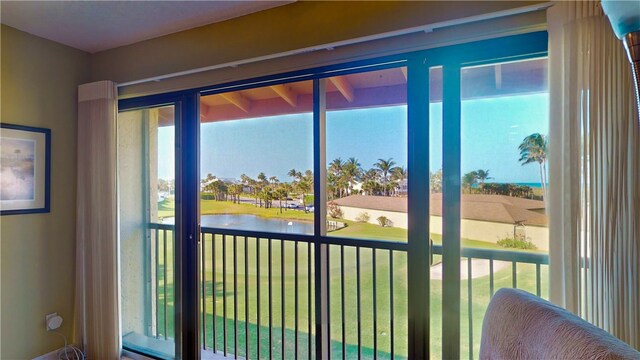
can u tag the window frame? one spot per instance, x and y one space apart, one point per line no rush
452 58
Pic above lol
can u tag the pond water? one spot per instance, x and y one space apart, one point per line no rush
253 223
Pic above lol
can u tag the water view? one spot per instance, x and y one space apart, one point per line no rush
252 223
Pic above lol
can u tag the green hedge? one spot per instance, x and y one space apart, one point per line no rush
516 244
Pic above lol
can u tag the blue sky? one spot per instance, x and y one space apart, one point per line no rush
492 129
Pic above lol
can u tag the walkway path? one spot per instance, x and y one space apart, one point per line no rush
479 268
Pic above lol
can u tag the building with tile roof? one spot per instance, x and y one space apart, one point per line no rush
484 217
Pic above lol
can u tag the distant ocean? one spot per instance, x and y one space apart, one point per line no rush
537 185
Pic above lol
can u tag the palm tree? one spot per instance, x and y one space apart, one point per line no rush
370 187
262 182
370 174
287 188
206 184
273 181
256 187
335 169
267 195
385 167
352 172
342 185
218 189
263 178
336 166
483 175
534 149
399 173
234 190
238 190
308 177
469 179
294 174
303 186
369 180
332 188
280 193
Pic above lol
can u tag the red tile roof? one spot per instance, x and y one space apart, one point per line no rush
494 208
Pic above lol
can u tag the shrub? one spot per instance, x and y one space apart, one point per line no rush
384 221
516 244
363 217
334 210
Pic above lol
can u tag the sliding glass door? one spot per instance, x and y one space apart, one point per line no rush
146 216
363 210
504 128
256 201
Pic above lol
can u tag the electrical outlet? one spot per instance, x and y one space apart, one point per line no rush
53 321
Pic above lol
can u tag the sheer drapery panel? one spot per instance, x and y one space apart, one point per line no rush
595 157
96 306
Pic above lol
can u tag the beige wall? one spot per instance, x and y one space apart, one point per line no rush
295 26
398 219
137 179
469 229
39 80
132 218
492 232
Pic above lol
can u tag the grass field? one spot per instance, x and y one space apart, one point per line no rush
287 261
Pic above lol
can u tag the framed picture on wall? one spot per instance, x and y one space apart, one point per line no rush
25 168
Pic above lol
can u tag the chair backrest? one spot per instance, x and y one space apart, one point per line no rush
520 325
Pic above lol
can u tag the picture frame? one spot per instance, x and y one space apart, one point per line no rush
25 169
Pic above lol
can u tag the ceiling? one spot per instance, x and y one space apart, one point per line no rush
95 26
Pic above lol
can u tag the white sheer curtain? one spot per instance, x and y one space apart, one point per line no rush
595 172
96 306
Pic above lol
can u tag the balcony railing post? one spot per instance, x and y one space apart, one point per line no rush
148 281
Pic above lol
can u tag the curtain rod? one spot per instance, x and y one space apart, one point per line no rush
330 46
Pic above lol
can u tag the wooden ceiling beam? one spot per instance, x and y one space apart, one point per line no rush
343 85
166 115
286 93
238 100
204 110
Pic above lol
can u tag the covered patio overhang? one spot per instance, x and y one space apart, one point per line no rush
378 88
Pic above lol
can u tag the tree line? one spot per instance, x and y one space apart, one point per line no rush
348 177
473 182
383 178
344 178
533 150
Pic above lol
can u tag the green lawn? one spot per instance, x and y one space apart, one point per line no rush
208 207
259 285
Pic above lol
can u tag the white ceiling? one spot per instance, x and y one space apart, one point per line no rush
94 26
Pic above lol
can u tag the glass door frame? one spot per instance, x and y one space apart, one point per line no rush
187 212
452 58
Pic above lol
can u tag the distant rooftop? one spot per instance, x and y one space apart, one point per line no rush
494 208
